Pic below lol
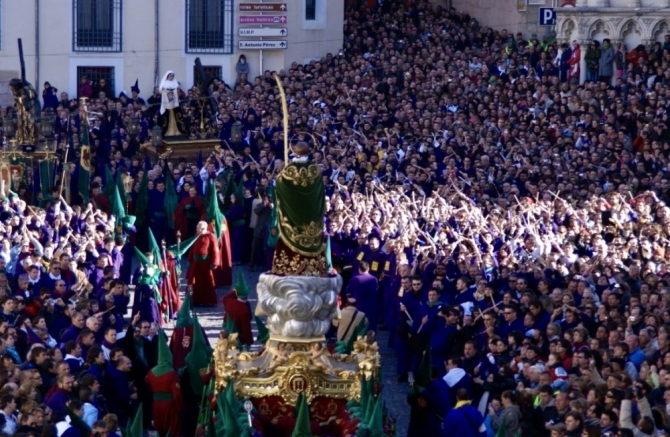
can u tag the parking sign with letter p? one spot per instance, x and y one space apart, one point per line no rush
547 17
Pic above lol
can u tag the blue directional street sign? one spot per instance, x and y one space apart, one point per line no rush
547 17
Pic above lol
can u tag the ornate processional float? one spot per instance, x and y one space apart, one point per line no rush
296 386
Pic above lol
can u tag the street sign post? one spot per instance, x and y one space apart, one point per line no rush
263 7
263 19
262 45
262 31
547 17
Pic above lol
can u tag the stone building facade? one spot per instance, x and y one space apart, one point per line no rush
631 22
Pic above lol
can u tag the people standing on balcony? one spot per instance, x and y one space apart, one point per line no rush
563 63
575 61
50 96
85 89
639 52
241 68
592 61
606 65
102 86
620 59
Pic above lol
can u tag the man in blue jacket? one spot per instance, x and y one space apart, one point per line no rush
510 322
463 420
445 330
364 288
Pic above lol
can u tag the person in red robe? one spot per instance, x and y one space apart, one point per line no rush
169 287
204 258
238 312
574 61
181 341
190 211
163 381
223 275
174 255
99 200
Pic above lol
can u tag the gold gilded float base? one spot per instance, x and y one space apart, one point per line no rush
289 366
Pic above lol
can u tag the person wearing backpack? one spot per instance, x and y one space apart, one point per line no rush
463 420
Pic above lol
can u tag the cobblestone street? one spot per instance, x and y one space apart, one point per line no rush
394 393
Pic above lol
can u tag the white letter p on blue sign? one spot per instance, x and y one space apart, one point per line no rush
547 17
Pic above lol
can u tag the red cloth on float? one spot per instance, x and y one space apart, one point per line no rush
278 419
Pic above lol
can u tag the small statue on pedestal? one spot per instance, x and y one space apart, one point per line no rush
173 123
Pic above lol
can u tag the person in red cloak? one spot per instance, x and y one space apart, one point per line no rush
169 287
203 257
190 211
223 275
98 199
238 312
574 61
163 381
181 341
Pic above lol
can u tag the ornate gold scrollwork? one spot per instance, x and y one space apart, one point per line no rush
302 177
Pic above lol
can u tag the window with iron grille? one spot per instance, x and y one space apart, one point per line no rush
209 26
211 71
310 10
97 25
93 76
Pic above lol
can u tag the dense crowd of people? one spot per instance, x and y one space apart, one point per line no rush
507 224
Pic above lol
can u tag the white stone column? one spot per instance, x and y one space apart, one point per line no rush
598 3
615 45
583 47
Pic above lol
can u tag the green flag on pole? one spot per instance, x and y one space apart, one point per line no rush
376 422
154 248
142 207
122 191
108 189
424 374
171 202
263 331
214 215
178 250
46 177
198 358
302 426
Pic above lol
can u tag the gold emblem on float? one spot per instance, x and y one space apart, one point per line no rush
288 367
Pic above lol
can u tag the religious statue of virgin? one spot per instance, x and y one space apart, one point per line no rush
172 123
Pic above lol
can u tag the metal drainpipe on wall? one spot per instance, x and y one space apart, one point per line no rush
156 60
37 45
260 54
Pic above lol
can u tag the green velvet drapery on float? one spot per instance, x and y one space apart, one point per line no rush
301 206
